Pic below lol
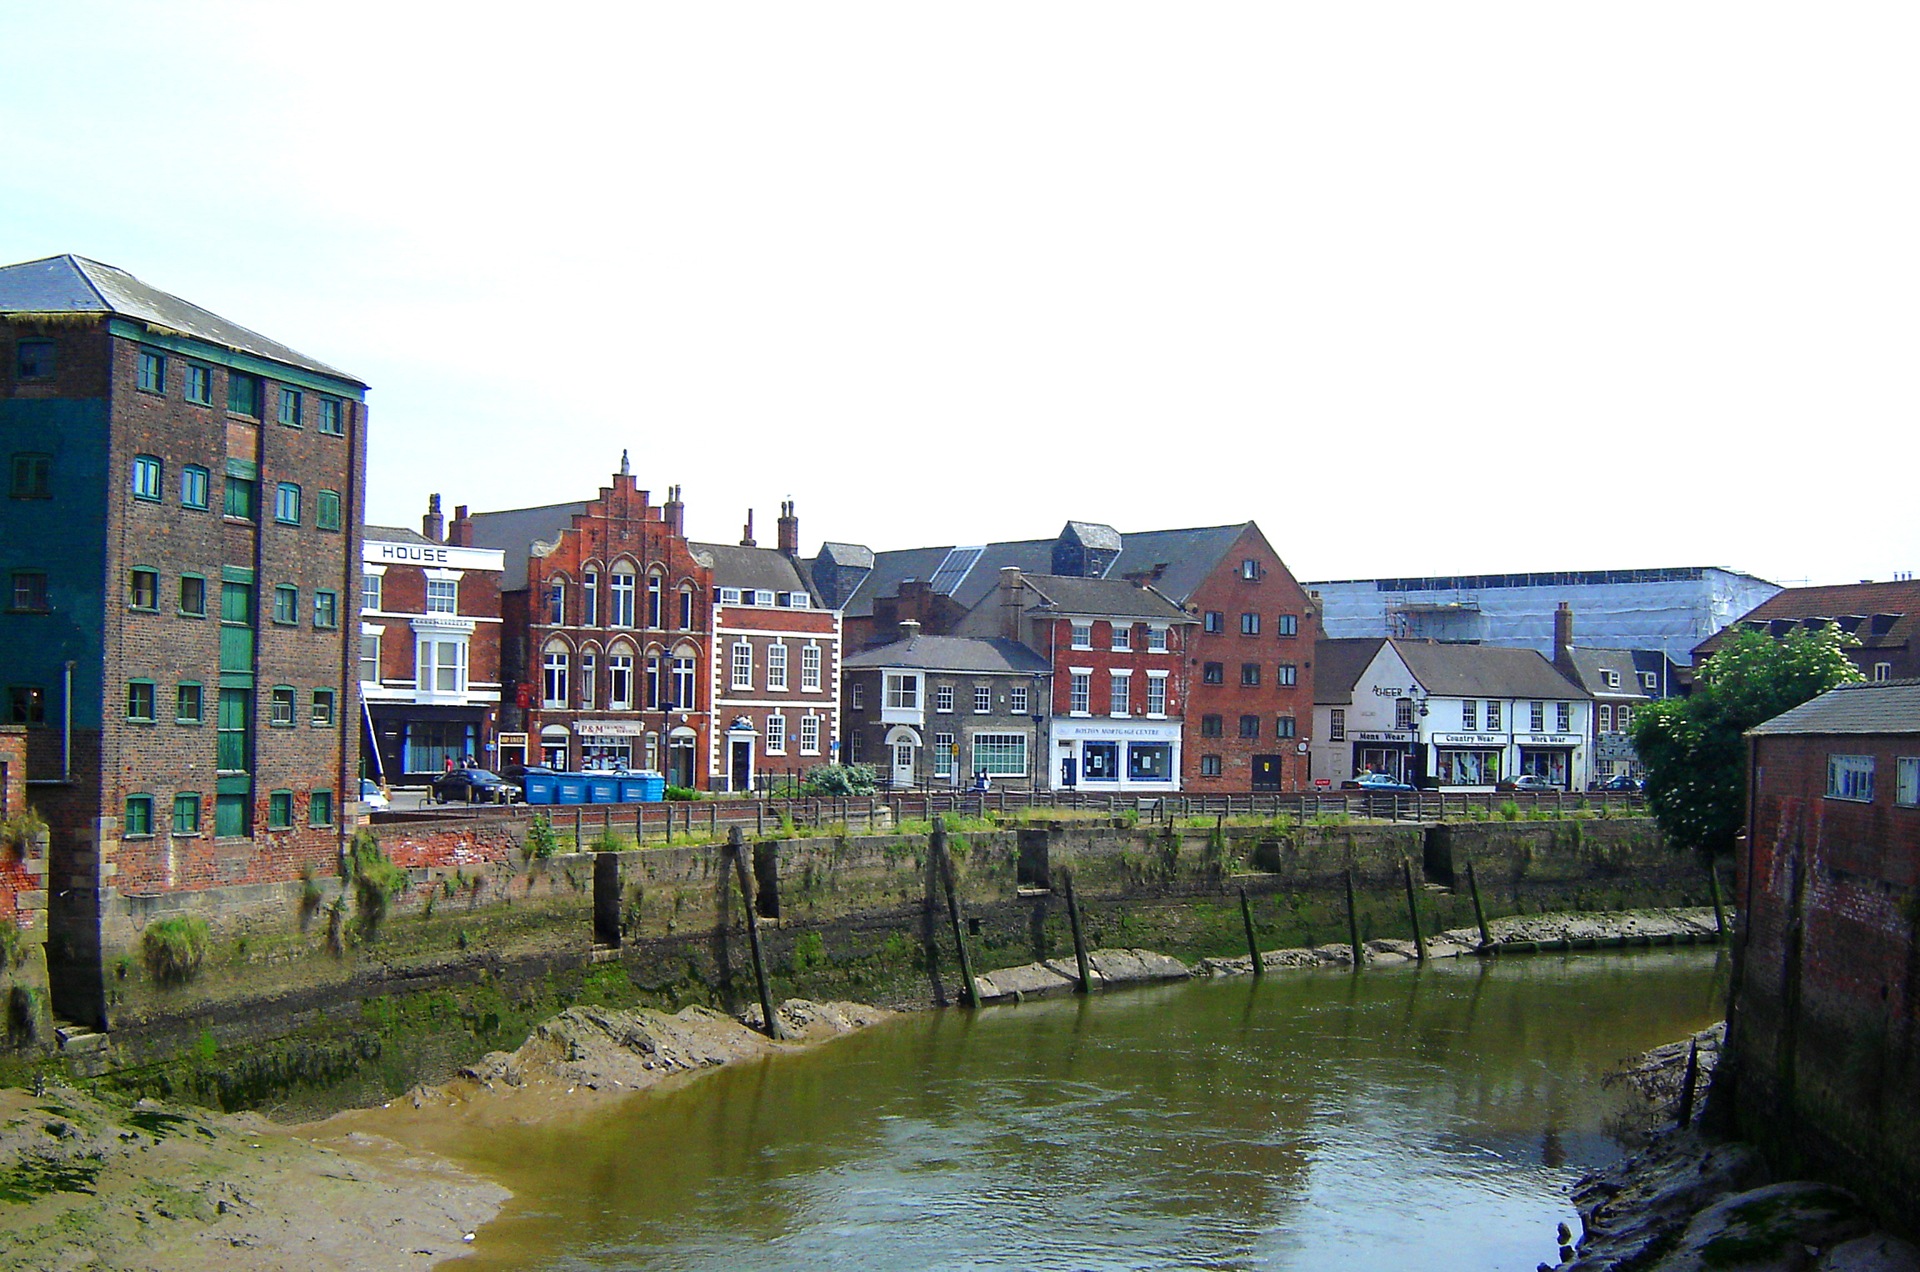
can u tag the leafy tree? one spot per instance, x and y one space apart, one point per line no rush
1692 748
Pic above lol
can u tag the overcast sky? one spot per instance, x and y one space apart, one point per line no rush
1421 288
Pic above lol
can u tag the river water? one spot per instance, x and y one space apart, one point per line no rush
1429 1119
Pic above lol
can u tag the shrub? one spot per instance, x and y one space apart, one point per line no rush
809 952
542 842
608 840
841 779
1509 811
11 946
375 881
23 826
173 949
682 793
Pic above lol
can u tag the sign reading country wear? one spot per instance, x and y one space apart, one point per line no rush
1470 739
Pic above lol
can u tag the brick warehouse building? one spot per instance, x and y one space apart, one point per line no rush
180 549
606 633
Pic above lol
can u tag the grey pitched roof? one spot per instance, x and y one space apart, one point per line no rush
1484 671
1093 534
1590 664
952 653
1104 597
1874 706
1183 558
1337 665
76 285
854 555
516 530
765 569
394 534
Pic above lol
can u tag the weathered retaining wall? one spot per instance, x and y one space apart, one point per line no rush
297 996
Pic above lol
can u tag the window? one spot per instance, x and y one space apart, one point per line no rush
1623 717
777 667
859 696
323 708
1249 673
654 585
153 372
1605 721
1493 715
857 747
326 514
742 664
1850 777
146 477
1156 695
762 596
1215 622
1017 700
1562 717
139 819
1080 693
330 417
194 482
620 682
1289 674
143 589
140 701
1289 625
186 814
286 603
1649 680
243 498
1284 727
370 592
1403 714
235 711
1249 726
1907 792
243 395
232 816
1470 715
1122 636
189 704
1149 761
1209 766
686 609
810 735
441 667
1000 754
1211 726
1337 724
280 810
553 687
30 591
776 734
1156 640
443 596
653 681
557 602
1883 671
589 675
199 384
282 717
982 699
33 360
730 596
1249 624
1537 715
1082 635
326 609
290 407
590 598
810 669
903 691
32 476
1213 674
26 704
286 504
1250 569
943 698
1609 678
320 808
943 754
683 682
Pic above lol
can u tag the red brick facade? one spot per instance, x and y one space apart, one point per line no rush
801 685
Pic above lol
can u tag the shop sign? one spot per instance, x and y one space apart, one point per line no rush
1548 739
1365 736
1470 739
607 728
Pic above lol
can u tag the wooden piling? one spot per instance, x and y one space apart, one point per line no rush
1353 925
1413 912
1079 941
969 992
577 841
1719 910
1686 1087
1479 911
1253 946
737 845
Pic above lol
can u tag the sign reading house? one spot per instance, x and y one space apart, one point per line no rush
438 556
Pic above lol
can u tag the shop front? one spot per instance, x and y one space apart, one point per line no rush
1385 751
1470 760
1110 755
608 745
1553 756
413 743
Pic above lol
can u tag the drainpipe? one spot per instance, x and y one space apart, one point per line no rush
66 725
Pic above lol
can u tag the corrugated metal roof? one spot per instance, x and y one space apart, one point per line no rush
1877 706
76 285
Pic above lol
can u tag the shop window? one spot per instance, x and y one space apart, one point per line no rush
1000 754
1149 761
1100 762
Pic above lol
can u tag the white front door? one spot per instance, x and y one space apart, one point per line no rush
903 763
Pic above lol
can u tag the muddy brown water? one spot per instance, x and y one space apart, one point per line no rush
1416 1118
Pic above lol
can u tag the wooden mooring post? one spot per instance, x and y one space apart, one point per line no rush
1253 946
1353 925
1079 941
1686 1086
1413 912
737 845
1479 912
1719 910
969 992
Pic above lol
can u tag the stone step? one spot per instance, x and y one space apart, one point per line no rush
603 954
80 1040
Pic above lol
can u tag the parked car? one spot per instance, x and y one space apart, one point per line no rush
473 786
373 797
1374 782
1619 782
517 774
1527 782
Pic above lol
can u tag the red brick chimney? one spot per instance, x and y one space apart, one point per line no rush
1013 603
1563 639
433 525
789 530
746 532
674 512
460 534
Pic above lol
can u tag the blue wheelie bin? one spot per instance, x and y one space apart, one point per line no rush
542 788
570 788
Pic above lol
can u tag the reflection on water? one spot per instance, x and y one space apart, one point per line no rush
1401 1119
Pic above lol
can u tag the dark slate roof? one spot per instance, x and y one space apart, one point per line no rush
394 534
76 285
1065 594
760 568
1092 534
1484 671
952 653
516 530
853 555
1589 663
1188 556
1875 706
1879 615
1337 665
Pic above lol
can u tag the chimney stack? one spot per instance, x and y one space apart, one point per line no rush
789 530
674 512
1563 638
746 533
1013 603
433 525
909 629
460 533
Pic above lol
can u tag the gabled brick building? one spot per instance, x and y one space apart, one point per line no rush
607 634
1882 618
180 556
